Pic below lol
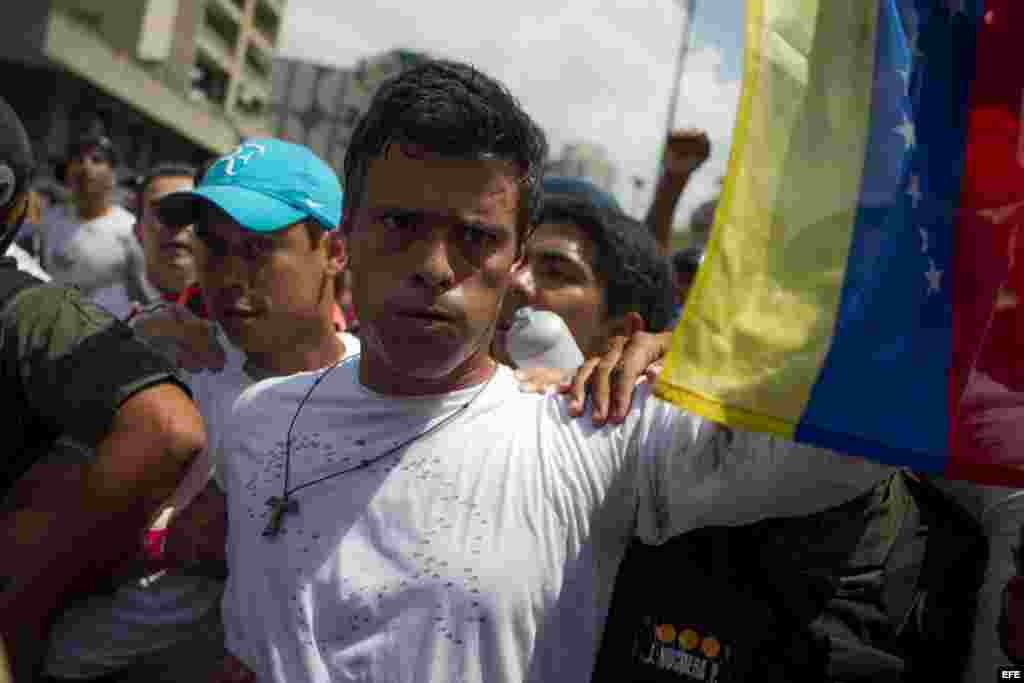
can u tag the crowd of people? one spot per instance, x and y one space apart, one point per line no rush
268 428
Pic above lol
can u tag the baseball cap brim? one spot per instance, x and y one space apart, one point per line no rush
252 210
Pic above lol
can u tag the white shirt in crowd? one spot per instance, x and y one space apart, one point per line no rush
485 552
107 633
101 256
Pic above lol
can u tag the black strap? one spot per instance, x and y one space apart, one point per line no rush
952 574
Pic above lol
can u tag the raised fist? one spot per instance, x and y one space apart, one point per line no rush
686 150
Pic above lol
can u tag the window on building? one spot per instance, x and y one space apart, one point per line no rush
250 103
209 81
91 18
222 25
258 63
267 20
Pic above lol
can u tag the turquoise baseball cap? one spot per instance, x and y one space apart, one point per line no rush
265 185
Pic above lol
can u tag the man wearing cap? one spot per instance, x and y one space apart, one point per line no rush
592 265
102 432
91 243
169 253
268 215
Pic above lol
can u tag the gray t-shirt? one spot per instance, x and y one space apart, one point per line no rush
102 257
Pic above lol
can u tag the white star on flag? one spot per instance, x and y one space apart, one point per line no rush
906 129
905 75
1000 214
934 277
924 240
915 52
915 190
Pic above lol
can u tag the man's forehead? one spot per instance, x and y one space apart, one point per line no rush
442 184
217 222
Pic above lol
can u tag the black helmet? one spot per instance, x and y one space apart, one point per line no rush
16 167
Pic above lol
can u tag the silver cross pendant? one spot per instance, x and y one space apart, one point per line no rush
279 508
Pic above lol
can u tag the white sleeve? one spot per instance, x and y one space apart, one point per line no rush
695 473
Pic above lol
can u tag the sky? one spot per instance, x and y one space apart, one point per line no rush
587 70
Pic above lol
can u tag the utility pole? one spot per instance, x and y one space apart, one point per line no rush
684 48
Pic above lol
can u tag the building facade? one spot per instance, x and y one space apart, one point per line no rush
588 161
166 79
319 106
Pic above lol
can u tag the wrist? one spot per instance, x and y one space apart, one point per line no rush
676 178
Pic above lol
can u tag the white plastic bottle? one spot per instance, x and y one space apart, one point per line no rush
541 339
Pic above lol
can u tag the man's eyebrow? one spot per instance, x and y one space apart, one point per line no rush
483 225
386 209
552 254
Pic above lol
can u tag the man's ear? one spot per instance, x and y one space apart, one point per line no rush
628 325
337 252
518 263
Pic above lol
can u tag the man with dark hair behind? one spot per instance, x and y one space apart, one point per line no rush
168 254
410 514
685 264
597 268
169 251
103 432
91 243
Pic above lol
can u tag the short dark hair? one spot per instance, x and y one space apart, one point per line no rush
581 188
167 169
91 141
638 277
16 155
454 110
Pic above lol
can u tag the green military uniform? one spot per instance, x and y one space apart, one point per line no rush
66 366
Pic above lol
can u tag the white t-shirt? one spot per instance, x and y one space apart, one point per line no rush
106 633
101 256
120 302
486 551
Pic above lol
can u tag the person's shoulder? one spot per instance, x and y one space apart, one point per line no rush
46 300
119 220
121 215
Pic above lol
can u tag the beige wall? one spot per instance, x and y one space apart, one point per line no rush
118 22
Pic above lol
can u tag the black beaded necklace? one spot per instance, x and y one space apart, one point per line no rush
285 504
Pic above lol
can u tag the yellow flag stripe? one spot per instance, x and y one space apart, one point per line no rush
759 323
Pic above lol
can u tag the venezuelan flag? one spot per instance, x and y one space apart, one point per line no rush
862 289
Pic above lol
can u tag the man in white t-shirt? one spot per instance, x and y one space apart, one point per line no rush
91 243
166 627
410 514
